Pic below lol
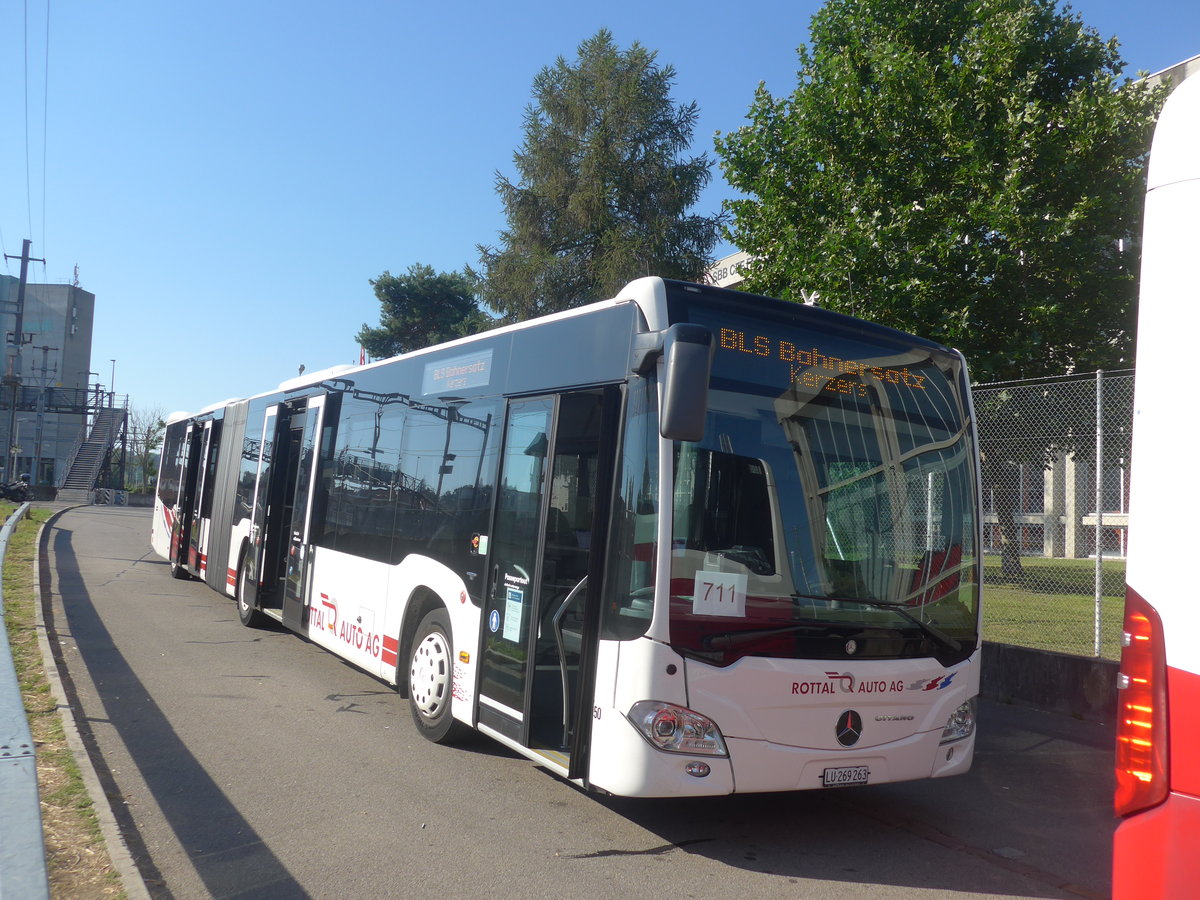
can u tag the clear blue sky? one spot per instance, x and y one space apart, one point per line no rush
228 175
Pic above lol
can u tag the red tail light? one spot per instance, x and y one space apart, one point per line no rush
1141 759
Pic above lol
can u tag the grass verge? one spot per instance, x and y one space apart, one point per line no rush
77 859
1063 623
1051 605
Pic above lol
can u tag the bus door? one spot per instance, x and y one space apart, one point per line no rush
189 465
308 428
201 442
542 607
278 464
283 507
253 587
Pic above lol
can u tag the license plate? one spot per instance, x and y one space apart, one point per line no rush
845 776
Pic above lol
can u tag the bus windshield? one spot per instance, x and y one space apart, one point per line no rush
829 510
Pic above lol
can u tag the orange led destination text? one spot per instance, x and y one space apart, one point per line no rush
804 362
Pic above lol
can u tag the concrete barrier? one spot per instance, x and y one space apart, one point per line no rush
1078 686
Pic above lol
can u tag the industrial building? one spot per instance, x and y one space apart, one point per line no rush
58 424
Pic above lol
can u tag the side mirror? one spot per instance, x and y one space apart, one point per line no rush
687 364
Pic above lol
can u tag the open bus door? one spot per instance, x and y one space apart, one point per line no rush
306 431
542 607
275 571
201 456
185 501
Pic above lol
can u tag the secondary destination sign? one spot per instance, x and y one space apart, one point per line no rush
457 373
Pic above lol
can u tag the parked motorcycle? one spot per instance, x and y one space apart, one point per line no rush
16 491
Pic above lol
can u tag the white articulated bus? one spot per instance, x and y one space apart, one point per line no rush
1158 724
686 541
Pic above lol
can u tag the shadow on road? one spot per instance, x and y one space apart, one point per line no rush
229 856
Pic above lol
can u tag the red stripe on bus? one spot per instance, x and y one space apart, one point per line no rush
231 578
391 651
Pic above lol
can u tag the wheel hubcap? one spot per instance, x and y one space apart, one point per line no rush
429 676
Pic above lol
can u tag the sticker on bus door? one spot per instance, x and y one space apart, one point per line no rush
514 600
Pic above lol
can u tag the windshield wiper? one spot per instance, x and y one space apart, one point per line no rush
935 634
725 640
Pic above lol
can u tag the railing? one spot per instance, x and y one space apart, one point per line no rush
106 426
22 851
72 456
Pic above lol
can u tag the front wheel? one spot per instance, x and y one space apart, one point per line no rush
247 612
178 571
431 680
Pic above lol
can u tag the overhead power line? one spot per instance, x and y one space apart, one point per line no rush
28 185
45 122
45 128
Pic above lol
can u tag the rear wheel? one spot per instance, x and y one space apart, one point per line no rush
250 616
177 569
431 680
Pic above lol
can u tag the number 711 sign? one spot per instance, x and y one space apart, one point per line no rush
719 594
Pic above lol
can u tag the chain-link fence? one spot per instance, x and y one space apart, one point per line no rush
1054 535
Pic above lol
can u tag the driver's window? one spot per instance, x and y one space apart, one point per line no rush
633 539
572 495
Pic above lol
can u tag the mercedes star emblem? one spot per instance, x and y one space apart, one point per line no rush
848 728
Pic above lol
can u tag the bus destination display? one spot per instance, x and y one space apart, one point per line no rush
814 368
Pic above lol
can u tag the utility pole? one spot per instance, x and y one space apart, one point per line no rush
41 414
12 375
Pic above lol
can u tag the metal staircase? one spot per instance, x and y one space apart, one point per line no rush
91 455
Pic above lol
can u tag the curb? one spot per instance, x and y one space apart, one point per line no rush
118 851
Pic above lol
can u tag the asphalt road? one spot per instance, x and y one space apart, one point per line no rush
252 764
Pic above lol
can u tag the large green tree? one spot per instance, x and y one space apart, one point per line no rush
970 170
604 186
420 308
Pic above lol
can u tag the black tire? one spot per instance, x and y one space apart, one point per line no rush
247 612
177 569
431 680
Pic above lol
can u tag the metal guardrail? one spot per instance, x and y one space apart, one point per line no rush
22 852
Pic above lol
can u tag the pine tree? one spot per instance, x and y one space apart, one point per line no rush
419 309
604 186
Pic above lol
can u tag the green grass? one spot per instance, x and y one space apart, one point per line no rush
1051 605
1060 576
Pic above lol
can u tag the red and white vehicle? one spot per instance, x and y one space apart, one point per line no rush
684 541
1157 844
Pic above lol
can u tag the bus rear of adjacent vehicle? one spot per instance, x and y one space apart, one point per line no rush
1158 728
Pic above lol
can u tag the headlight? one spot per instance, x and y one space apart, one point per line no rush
676 729
961 723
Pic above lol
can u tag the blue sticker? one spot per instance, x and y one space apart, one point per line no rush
494 620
